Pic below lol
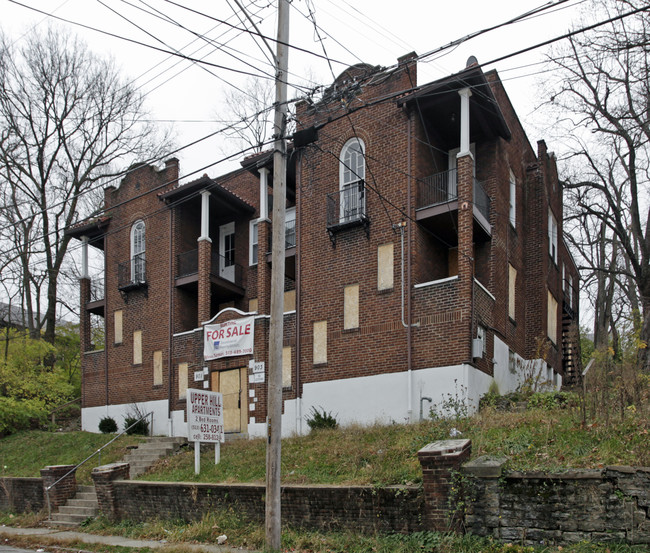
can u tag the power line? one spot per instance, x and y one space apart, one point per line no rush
139 43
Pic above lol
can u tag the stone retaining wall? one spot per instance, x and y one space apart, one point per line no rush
605 505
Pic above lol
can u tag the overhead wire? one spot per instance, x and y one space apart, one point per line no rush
519 51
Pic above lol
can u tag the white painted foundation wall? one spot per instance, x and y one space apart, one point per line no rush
90 417
383 398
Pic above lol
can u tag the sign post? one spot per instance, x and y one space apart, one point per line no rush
204 422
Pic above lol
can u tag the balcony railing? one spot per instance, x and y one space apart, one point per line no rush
481 199
132 273
438 189
289 235
347 206
97 289
220 266
226 268
187 263
442 188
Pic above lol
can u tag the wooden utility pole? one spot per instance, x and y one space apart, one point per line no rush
274 406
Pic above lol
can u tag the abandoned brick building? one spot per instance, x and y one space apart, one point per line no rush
424 260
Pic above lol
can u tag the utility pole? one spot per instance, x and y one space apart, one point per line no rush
274 405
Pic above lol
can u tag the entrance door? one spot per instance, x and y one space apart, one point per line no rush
227 251
232 385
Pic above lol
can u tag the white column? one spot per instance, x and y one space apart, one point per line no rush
84 257
465 93
205 215
264 194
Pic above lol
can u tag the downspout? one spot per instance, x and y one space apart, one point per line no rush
170 429
105 317
409 360
298 217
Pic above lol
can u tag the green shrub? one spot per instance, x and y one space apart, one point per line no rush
21 414
107 425
317 420
140 428
550 401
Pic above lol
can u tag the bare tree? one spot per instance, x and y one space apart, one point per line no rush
249 114
67 120
601 96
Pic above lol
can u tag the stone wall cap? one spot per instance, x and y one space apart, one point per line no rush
444 447
626 469
486 466
576 474
110 467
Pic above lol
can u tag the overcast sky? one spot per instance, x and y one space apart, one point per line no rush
188 95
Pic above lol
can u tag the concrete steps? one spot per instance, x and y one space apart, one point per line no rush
78 509
84 505
152 450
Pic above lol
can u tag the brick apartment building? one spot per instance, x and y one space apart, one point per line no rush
424 261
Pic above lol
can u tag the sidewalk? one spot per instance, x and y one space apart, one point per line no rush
53 534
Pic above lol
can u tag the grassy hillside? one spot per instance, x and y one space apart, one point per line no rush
26 453
537 439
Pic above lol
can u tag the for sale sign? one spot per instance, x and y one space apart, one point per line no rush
205 416
229 339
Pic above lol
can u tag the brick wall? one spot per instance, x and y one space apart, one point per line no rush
21 495
63 482
360 508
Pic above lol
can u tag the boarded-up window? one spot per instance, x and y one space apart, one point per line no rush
512 290
137 347
157 368
117 320
286 366
182 380
351 307
320 342
289 301
385 267
552 318
253 305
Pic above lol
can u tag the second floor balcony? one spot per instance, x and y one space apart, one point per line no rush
226 276
438 198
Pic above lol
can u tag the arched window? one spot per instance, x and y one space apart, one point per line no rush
352 175
137 252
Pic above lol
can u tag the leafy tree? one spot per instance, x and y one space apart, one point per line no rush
67 346
600 92
29 385
67 121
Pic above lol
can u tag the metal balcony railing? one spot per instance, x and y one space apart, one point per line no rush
97 289
224 267
289 235
481 199
132 273
347 205
438 189
442 188
187 263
